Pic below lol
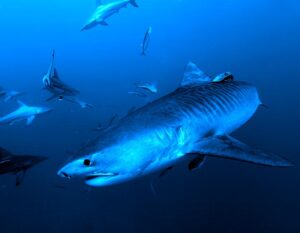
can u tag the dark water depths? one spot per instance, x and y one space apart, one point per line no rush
258 41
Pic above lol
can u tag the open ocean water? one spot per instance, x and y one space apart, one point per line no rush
258 41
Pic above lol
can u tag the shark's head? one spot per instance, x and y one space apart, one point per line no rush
116 163
98 169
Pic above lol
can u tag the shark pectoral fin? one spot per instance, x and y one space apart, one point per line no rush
20 177
230 148
104 23
30 119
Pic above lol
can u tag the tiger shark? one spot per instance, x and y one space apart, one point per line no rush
189 124
24 112
104 11
17 164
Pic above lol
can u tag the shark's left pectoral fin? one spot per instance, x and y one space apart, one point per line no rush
230 148
20 177
30 119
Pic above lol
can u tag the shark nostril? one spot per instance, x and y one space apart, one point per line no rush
65 175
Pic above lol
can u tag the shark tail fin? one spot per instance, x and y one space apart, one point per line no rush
133 2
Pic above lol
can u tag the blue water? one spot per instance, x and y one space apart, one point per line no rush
258 41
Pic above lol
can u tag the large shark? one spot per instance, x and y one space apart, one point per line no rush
104 11
24 112
191 123
55 85
17 164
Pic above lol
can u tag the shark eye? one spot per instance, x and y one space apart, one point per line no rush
87 162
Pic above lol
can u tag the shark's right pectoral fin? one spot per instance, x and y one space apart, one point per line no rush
104 23
30 119
20 177
230 148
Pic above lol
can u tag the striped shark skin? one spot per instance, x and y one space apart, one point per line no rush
191 123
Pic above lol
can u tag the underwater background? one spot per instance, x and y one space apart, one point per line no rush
258 41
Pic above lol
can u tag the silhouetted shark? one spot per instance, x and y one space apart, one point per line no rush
17 164
191 123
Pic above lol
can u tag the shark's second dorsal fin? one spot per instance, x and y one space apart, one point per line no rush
21 104
193 75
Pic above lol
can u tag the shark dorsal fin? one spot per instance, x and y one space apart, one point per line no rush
21 104
193 75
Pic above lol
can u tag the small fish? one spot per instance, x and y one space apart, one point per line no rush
146 41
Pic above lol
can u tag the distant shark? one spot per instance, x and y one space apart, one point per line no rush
9 94
191 123
59 89
55 85
24 112
104 11
17 164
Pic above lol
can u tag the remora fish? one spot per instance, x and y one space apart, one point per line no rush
24 112
104 11
146 41
191 123
17 164
55 85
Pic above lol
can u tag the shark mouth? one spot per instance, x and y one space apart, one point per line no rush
100 174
